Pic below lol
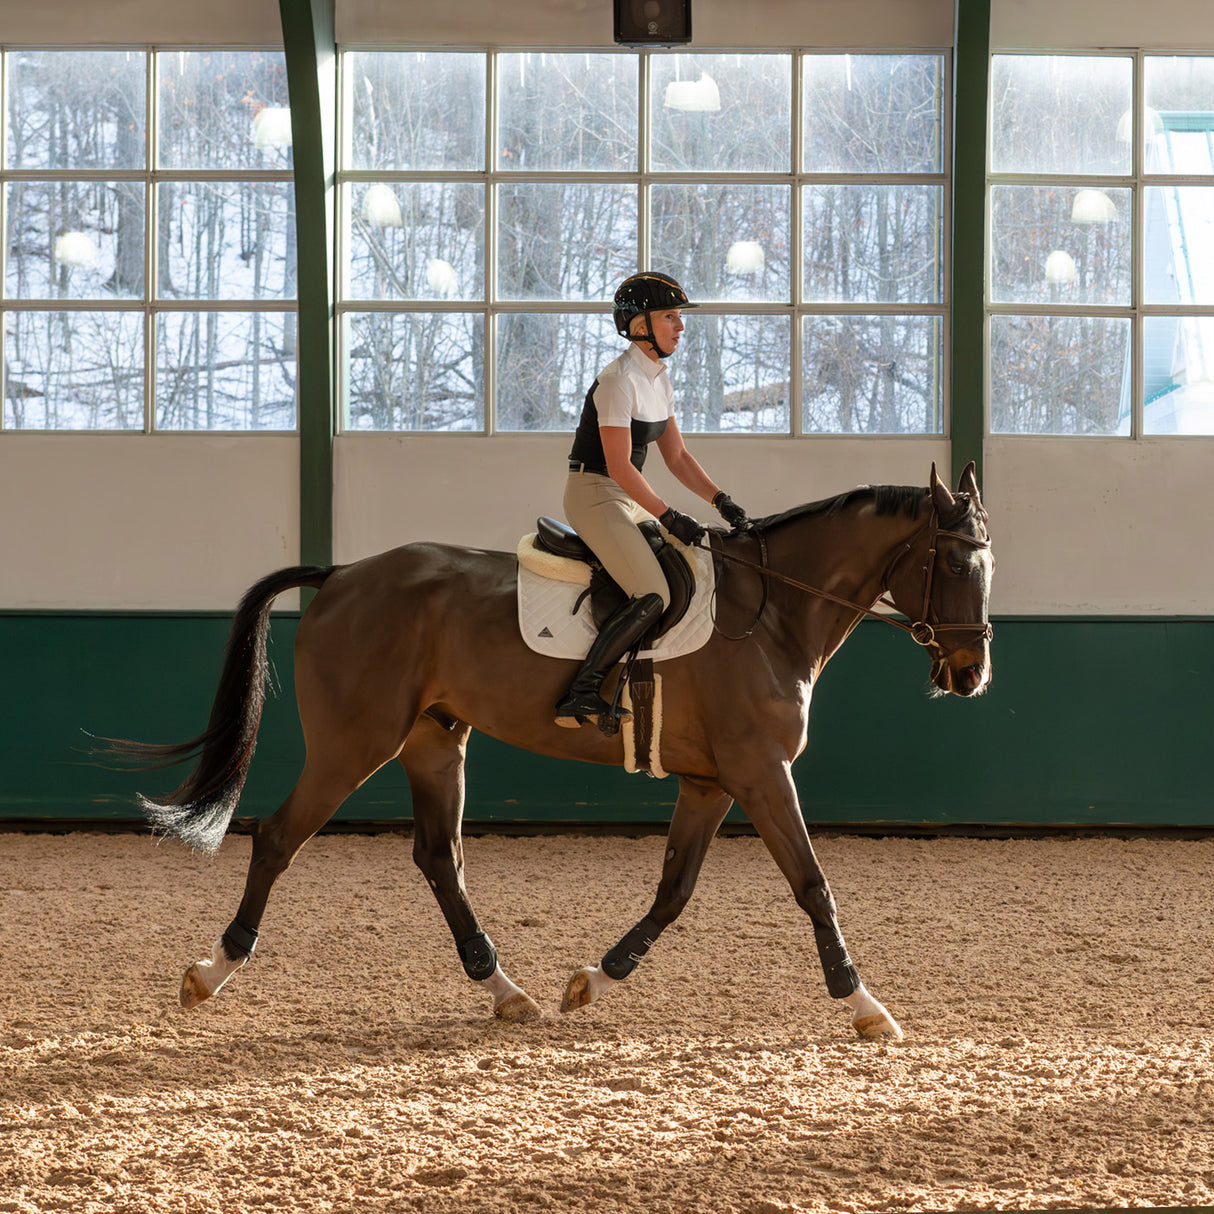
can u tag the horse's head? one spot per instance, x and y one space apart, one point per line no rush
952 585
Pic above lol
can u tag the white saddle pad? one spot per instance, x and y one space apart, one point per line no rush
546 601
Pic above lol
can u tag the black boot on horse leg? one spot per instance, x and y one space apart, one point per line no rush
582 703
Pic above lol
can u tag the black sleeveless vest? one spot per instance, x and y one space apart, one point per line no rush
588 443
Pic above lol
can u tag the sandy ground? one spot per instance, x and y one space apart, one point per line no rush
1056 997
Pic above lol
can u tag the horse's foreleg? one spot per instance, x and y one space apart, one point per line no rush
276 841
700 809
776 812
433 758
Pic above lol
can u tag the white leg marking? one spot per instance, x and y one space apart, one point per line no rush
204 978
510 1002
869 1017
587 985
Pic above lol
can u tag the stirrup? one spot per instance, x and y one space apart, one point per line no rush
589 708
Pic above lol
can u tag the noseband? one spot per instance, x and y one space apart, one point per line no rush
922 631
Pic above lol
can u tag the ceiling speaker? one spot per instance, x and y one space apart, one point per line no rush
652 22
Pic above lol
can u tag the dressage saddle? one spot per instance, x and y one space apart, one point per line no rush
606 595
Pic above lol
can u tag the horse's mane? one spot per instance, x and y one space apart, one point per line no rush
886 499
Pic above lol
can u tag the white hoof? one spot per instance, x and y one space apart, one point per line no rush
204 978
587 985
870 1018
510 1002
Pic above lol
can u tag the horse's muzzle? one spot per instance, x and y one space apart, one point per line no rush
967 672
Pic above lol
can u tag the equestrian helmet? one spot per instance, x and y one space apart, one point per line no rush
643 293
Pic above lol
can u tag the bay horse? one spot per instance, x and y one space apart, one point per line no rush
401 655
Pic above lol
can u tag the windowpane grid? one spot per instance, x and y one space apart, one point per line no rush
523 241
1071 128
101 255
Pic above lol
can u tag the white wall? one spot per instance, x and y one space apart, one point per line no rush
390 490
1164 24
139 22
144 521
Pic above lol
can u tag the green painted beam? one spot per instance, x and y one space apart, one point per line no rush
971 68
309 41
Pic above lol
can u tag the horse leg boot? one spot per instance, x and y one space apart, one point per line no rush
582 702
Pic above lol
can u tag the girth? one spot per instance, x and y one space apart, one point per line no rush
606 595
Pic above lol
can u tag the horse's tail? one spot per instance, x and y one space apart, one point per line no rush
199 811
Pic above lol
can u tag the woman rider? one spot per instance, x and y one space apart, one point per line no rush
629 406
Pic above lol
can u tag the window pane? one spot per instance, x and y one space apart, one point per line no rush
75 240
73 371
224 110
731 375
1179 261
76 109
873 113
565 241
567 112
225 371
721 113
1060 375
871 375
1060 244
873 243
546 364
723 242
416 110
1178 374
1179 95
1060 114
417 240
415 371
227 241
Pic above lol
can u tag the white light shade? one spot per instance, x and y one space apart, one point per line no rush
1125 124
442 277
1093 206
381 208
76 249
693 96
272 127
745 257
1060 268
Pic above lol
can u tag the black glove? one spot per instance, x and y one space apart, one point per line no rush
730 511
682 526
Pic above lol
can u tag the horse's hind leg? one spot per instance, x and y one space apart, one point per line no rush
312 802
433 758
700 809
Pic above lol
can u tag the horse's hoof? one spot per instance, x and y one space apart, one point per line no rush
518 1009
193 989
873 1027
578 993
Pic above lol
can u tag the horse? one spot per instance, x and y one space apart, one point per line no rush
401 655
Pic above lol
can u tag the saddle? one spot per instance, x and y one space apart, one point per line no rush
606 595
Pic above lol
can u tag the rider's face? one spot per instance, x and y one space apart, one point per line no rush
667 325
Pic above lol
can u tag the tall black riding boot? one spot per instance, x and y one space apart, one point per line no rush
582 702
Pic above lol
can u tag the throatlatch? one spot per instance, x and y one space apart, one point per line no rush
479 957
621 960
239 941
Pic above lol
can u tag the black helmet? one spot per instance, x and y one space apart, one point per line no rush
641 294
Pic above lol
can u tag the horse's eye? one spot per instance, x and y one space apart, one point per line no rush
960 568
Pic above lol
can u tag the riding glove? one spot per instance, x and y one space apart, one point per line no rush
730 511
682 526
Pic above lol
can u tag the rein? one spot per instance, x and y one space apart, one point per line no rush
922 631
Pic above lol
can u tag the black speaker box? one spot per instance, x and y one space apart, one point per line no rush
652 22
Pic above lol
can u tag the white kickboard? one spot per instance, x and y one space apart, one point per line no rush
548 625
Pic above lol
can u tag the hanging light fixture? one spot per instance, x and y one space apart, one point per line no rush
272 127
1060 268
745 257
1125 124
1093 206
441 277
76 250
381 208
693 96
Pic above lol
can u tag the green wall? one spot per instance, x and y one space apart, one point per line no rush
1088 721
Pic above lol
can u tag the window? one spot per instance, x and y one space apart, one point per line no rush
149 282
1093 157
491 203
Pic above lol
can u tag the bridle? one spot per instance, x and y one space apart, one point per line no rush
922 631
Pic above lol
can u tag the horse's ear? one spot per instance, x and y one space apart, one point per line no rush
940 493
969 482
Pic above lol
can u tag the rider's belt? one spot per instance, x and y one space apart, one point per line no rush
577 466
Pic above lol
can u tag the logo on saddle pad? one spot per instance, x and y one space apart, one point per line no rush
554 605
